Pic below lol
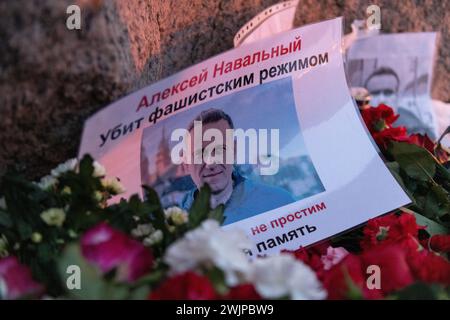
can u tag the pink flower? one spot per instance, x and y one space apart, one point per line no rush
108 249
333 257
16 280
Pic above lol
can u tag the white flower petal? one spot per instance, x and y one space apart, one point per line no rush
69 165
99 170
282 275
210 245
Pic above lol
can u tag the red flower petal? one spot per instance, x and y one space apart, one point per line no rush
185 286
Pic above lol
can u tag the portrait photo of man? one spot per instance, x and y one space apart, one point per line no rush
247 147
241 196
397 71
383 85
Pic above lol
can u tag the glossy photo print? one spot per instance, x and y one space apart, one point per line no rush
270 138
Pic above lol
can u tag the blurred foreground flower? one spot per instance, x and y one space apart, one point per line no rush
113 185
69 165
99 170
176 215
110 249
283 276
54 217
210 245
16 281
185 286
379 120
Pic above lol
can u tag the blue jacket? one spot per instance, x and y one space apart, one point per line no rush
248 199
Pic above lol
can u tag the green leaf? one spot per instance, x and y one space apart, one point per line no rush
116 292
24 230
158 217
5 220
394 168
200 208
437 202
217 214
140 293
421 291
44 252
150 279
353 291
417 162
86 166
217 278
444 172
432 227
92 284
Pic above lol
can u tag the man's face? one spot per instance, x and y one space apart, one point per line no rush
217 175
383 89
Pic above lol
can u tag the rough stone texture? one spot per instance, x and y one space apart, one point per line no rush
52 79
396 16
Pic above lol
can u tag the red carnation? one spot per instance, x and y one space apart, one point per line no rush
425 142
311 257
430 267
382 138
108 249
389 229
242 292
378 118
338 281
440 243
185 286
392 260
379 121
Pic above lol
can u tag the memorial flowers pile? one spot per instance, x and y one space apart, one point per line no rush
59 238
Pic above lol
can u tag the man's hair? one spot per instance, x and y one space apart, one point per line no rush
210 116
383 71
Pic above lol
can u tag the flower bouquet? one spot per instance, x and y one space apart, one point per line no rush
59 239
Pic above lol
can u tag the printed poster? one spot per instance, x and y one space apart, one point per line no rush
397 70
269 126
